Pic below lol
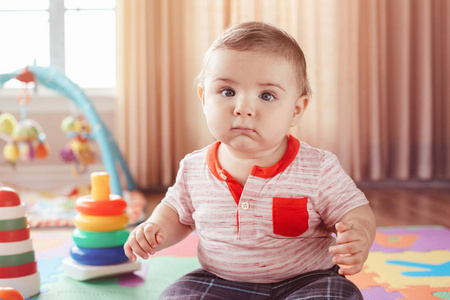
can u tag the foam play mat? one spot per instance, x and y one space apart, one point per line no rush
404 263
407 263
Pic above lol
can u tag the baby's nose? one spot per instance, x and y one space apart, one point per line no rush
244 108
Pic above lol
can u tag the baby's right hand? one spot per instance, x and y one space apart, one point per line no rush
143 240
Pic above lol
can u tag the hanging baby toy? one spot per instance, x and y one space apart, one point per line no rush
79 150
25 139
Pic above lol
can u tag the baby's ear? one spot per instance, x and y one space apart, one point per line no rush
299 109
200 93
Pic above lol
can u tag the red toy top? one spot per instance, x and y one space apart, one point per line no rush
8 197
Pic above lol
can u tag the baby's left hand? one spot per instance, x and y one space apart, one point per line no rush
352 248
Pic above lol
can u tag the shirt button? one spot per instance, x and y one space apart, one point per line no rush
245 205
223 176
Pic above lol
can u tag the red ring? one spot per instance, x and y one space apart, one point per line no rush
18 271
15 235
115 206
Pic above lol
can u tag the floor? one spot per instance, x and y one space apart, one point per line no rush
394 206
421 206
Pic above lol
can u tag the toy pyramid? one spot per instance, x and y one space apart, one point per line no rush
18 268
100 233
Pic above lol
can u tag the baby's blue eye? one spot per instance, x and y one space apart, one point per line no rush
267 97
228 93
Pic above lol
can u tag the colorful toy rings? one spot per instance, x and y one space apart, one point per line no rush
16 259
12 212
13 224
108 239
87 205
100 223
98 257
18 271
15 235
16 247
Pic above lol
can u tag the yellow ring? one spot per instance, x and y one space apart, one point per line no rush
100 223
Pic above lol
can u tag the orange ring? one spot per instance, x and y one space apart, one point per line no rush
15 235
10 293
18 271
88 206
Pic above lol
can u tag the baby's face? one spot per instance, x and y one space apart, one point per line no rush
250 99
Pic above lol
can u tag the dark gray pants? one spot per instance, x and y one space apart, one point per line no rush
324 284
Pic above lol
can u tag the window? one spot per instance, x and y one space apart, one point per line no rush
77 36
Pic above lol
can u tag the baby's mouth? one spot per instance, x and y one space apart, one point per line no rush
243 129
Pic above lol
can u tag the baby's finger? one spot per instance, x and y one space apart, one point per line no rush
350 270
342 227
344 249
160 239
347 259
129 252
150 232
348 235
134 246
145 241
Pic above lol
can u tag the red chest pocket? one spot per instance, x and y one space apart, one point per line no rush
290 216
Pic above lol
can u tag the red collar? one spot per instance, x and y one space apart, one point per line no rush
262 172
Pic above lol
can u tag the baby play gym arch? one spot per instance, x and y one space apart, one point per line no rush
55 80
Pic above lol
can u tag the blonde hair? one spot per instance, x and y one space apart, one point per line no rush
261 37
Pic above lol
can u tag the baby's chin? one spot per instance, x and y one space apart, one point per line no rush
242 142
245 146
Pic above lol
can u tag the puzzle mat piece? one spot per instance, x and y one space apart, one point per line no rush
49 268
380 293
162 271
442 295
137 278
402 241
48 271
426 270
392 274
364 280
424 292
397 239
411 293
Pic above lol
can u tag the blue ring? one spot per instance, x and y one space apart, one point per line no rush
98 257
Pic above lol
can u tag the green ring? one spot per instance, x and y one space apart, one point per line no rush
16 259
13 224
104 239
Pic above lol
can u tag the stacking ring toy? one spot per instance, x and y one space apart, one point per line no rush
16 247
8 197
15 235
98 257
13 224
107 239
12 212
16 259
18 271
28 286
101 223
89 206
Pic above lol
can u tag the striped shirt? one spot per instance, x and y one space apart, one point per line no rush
277 226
